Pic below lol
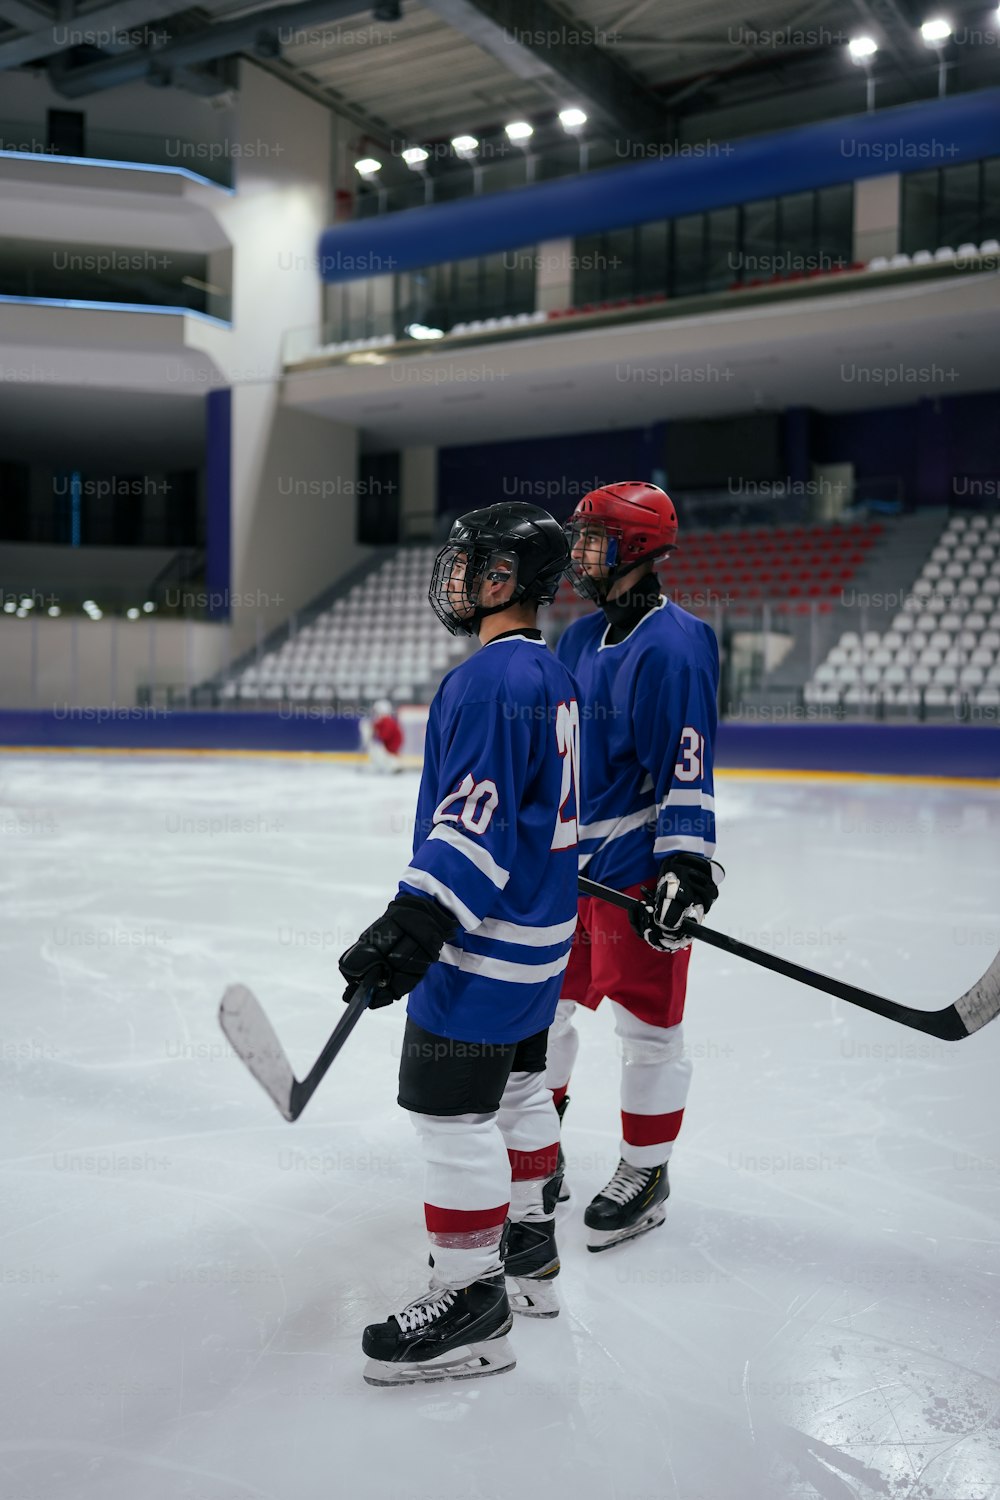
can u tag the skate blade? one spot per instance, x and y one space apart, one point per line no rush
532 1298
488 1357
603 1239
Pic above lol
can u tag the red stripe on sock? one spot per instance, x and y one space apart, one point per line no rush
463 1220
525 1166
651 1130
558 1095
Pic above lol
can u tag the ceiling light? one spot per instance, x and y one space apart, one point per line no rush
148 607
54 610
132 614
935 31
465 145
414 155
421 331
861 47
367 166
572 119
519 130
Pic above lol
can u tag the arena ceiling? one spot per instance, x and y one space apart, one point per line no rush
421 71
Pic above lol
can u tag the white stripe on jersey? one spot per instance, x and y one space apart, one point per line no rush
502 968
431 886
528 937
669 844
480 857
676 797
614 828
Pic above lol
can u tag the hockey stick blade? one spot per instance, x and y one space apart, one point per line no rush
978 1006
253 1039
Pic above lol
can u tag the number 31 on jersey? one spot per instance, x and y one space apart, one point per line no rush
566 834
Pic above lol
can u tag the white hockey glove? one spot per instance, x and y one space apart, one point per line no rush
686 887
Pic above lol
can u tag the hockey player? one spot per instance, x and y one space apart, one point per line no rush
479 934
382 738
648 676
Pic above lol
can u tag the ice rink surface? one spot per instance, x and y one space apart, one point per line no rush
185 1277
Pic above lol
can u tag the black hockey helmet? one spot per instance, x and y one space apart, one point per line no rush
510 540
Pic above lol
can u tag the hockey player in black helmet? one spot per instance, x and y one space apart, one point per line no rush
478 934
510 544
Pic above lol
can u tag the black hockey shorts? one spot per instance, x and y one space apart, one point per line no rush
439 1076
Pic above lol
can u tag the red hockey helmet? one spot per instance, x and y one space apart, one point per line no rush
615 528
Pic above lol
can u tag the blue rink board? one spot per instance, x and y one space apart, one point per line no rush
951 750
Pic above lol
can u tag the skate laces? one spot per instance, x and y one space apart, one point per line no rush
626 1182
423 1310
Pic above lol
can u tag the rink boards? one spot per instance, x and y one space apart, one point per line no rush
955 750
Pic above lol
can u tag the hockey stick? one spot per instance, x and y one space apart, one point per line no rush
968 1013
253 1039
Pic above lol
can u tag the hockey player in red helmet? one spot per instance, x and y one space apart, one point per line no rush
648 675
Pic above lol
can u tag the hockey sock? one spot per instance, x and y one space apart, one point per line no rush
563 1046
466 1194
655 1080
530 1127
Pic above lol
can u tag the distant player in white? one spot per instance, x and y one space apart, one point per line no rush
479 934
382 738
648 675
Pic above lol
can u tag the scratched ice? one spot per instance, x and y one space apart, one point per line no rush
185 1276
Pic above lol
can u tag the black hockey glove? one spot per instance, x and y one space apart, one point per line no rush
398 949
686 887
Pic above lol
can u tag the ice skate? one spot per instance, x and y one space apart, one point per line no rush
632 1203
531 1263
442 1335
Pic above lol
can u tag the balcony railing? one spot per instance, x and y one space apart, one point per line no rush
211 161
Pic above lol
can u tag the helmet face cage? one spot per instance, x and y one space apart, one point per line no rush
593 544
461 569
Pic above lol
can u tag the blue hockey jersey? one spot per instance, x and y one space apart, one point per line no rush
496 841
648 720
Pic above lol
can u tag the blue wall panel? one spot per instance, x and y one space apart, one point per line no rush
940 132
952 750
141 729
959 750
218 496
554 472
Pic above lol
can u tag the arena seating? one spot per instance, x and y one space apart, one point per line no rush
380 639
943 649
791 567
